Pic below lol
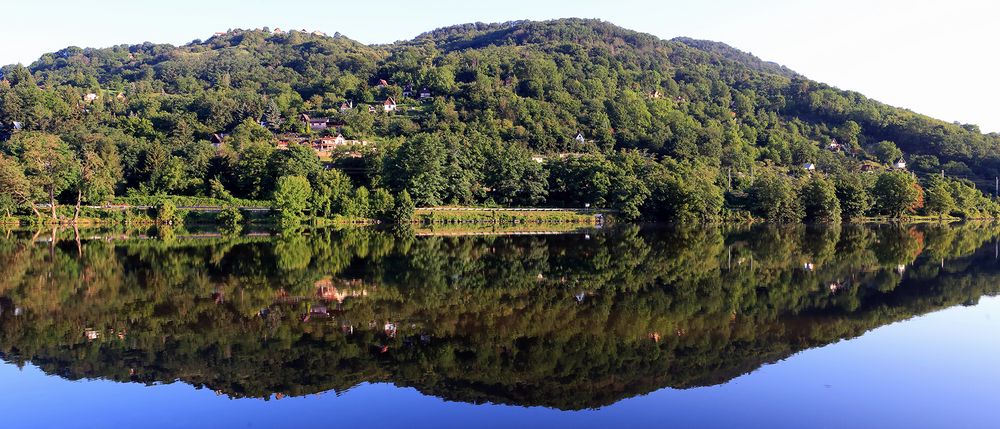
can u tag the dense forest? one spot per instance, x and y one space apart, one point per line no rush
569 321
560 113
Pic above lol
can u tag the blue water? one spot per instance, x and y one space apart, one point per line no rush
936 370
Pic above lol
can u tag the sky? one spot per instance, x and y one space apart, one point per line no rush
934 57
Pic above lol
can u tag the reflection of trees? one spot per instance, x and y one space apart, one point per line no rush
567 321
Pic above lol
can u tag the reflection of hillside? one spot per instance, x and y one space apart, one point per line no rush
570 321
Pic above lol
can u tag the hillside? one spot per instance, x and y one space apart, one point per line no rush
493 96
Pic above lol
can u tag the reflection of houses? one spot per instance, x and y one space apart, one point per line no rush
389 329
328 290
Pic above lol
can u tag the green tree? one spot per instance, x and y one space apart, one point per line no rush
291 197
252 171
938 200
819 200
166 212
403 211
99 174
854 193
15 187
230 218
773 197
417 167
381 204
886 152
896 193
49 164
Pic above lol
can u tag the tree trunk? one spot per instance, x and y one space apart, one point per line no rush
35 209
76 214
52 202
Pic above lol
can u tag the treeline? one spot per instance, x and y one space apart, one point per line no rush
682 118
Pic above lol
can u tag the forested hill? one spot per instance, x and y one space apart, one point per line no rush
493 91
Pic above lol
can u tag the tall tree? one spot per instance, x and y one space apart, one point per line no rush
49 164
896 193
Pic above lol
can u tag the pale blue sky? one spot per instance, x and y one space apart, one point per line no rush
937 58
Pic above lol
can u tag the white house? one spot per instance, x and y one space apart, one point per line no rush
90 97
425 94
900 165
389 105
579 137
809 167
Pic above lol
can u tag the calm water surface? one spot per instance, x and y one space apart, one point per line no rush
863 326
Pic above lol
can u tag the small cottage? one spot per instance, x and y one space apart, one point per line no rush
90 97
580 138
900 165
425 94
316 124
218 139
389 105
809 167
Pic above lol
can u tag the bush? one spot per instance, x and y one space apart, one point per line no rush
166 213
230 217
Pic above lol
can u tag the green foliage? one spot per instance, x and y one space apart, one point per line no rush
854 193
291 197
773 197
166 213
230 218
403 211
819 200
621 313
886 152
382 204
938 199
501 95
417 166
896 193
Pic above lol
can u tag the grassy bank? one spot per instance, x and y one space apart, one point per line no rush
507 216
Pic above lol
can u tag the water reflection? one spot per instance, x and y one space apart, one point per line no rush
569 321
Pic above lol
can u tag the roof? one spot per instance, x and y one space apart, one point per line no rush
17 125
389 101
